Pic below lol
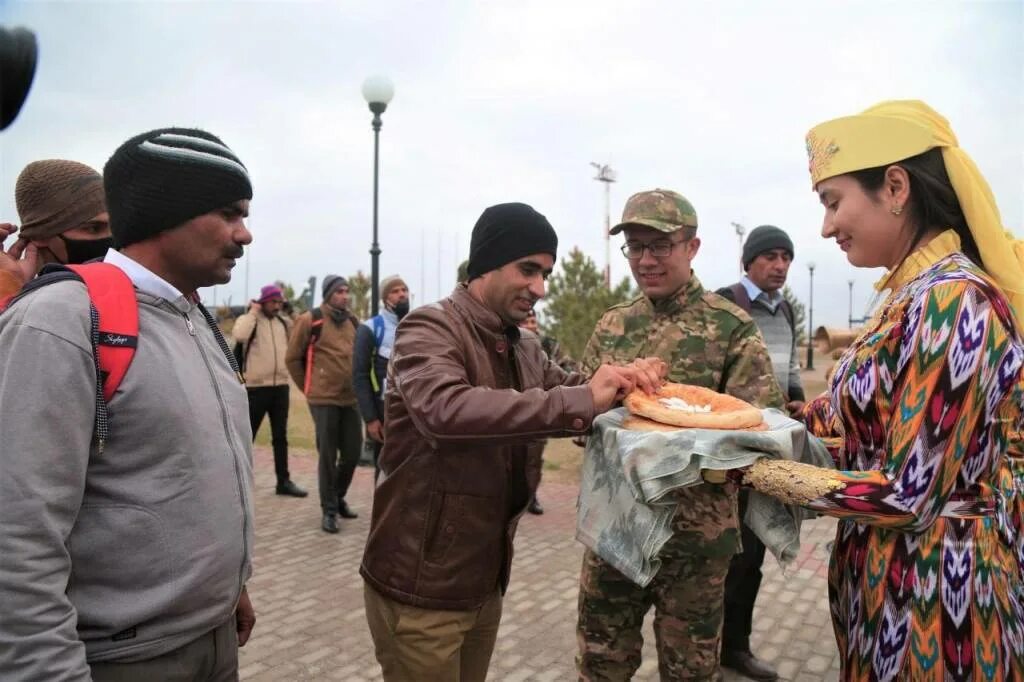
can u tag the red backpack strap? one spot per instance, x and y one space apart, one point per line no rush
113 295
315 329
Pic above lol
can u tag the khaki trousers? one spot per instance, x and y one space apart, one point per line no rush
210 658
427 645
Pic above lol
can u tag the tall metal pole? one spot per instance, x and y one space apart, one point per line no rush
377 109
850 282
810 321
606 175
608 235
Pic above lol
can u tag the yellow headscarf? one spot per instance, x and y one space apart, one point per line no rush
892 131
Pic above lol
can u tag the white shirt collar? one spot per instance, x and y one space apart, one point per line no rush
143 278
753 291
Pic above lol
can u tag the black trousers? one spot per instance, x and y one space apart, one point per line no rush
741 586
272 400
339 440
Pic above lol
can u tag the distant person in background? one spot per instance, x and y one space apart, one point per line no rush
375 339
319 360
551 347
767 255
63 220
261 338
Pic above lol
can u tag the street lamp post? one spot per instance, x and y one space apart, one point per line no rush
377 91
606 175
810 320
850 283
740 231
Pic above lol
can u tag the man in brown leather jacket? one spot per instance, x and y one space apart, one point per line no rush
466 395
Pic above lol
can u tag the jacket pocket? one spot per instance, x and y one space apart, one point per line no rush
442 525
463 547
461 521
111 546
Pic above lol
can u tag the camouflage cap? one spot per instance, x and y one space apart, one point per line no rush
662 209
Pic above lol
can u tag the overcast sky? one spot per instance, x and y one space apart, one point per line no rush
511 101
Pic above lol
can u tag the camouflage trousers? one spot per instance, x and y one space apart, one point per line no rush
687 594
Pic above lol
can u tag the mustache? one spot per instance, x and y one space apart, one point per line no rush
235 253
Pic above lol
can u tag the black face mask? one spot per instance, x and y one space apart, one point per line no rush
401 309
85 250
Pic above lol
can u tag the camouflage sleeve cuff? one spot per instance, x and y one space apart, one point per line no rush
577 408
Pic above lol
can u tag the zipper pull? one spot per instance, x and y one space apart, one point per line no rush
188 323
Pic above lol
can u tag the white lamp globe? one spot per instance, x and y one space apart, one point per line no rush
378 90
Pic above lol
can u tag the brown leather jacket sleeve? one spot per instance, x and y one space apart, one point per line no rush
429 372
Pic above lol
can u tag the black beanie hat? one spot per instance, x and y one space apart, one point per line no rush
332 282
765 238
163 178
508 232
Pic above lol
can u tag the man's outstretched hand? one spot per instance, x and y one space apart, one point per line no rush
611 383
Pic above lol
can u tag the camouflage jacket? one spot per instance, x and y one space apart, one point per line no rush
706 341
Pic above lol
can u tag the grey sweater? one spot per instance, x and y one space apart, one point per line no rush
134 552
780 340
778 336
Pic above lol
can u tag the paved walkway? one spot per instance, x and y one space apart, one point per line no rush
309 604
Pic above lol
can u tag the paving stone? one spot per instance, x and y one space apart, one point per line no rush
311 623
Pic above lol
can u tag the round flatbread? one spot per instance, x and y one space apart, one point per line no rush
632 422
693 407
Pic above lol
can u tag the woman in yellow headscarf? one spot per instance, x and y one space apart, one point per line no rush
927 575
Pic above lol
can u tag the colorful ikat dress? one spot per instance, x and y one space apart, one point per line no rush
927 576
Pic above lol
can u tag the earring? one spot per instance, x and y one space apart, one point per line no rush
896 210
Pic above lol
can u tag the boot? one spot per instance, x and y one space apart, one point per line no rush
330 523
746 664
344 512
290 489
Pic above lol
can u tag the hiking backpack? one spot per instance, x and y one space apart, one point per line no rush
241 349
114 324
315 330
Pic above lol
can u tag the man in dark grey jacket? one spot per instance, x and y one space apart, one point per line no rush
767 255
129 561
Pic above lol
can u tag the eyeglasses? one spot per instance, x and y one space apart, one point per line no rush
659 249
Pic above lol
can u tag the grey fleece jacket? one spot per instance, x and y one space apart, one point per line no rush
133 552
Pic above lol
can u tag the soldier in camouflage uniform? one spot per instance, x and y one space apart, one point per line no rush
706 341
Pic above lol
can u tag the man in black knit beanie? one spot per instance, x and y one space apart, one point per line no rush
126 557
467 398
